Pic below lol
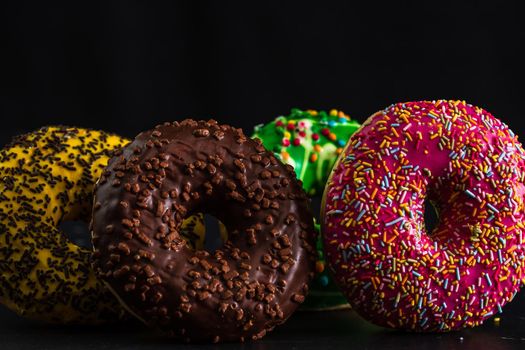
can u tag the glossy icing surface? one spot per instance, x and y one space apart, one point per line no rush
238 292
394 272
310 141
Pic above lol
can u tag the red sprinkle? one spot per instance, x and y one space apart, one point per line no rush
296 142
279 123
325 132
286 142
315 137
290 126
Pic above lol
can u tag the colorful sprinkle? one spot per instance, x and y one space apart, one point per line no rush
394 272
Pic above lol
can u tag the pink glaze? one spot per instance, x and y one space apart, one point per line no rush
394 273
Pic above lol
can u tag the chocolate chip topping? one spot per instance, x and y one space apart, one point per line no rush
240 291
47 177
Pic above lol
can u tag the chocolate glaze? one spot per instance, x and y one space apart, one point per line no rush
240 291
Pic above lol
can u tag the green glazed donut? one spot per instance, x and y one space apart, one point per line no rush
311 141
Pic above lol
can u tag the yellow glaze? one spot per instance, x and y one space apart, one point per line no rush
47 177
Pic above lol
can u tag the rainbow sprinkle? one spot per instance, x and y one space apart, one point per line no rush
394 272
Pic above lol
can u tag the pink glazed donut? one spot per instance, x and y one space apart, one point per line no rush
395 273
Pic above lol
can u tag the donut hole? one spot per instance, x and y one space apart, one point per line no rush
77 232
315 206
431 216
206 232
212 239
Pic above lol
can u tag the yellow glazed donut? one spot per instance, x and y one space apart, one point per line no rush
47 177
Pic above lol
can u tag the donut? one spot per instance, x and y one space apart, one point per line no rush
311 141
243 289
395 272
47 177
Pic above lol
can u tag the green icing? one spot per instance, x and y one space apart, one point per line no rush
311 141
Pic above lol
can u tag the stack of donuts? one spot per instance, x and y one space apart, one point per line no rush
367 248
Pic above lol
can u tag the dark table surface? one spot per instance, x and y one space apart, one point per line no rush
304 330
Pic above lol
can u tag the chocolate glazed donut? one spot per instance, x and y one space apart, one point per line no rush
242 290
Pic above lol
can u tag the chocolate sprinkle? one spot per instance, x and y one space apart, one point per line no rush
242 290
47 177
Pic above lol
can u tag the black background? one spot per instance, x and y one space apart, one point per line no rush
124 66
